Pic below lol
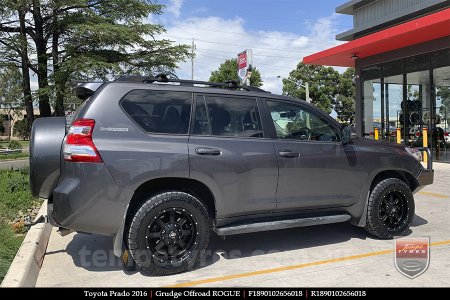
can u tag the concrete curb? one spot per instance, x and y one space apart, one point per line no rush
27 263
14 164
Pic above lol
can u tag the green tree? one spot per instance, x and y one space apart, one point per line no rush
14 46
21 129
85 39
228 71
443 93
322 83
2 127
345 99
11 96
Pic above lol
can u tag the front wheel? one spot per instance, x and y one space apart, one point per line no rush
168 233
390 209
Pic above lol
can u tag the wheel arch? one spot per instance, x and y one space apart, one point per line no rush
379 176
159 185
405 176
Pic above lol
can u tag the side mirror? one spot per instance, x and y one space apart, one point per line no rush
348 134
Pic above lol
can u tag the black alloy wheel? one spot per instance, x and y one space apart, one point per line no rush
393 211
172 234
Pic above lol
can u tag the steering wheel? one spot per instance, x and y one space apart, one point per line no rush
303 133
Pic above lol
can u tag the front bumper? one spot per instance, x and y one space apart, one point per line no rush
426 177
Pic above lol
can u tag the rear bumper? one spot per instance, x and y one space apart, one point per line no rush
87 199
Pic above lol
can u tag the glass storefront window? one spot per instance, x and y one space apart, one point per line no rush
393 95
372 115
441 132
401 94
417 107
372 107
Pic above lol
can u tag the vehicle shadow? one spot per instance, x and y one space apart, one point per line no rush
95 253
260 243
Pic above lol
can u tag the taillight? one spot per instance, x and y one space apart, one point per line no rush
446 134
78 144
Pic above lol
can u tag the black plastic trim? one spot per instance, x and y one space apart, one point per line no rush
426 177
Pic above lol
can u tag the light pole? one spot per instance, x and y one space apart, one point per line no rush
306 86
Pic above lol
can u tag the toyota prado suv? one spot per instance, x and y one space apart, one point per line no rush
159 163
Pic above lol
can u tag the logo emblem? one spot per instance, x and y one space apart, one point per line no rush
172 235
412 255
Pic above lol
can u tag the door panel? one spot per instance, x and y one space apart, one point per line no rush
244 175
315 168
228 153
325 174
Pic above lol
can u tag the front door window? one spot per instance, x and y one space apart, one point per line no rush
293 122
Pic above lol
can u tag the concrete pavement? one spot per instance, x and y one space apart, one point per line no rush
328 255
14 164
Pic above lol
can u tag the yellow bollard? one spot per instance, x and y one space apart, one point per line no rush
425 144
376 133
399 135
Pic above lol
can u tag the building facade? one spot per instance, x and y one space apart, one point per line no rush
401 54
9 117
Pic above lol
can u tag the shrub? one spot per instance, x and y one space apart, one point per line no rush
21 129
14 145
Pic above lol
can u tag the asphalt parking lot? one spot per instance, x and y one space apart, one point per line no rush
328 255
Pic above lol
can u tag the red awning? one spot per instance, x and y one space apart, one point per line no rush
413 32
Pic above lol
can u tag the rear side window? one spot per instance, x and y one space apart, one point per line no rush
227 116
159 111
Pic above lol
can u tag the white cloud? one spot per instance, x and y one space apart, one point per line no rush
174 7
274 52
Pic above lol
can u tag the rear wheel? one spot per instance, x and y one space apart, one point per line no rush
390 209
168 233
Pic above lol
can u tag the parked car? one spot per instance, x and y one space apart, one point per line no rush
447 136
157 164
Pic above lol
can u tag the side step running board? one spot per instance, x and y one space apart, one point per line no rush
282 224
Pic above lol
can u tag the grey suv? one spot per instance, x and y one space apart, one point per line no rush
158 163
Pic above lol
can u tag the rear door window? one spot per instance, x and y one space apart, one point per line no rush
227 116
159 111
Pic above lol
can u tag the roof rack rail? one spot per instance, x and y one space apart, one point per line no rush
162 78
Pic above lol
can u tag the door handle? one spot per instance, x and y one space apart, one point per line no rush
207 151
288 154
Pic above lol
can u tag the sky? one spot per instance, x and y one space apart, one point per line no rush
280 33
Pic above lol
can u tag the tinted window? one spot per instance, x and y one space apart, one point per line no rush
159 111
293 122
225 116
201 119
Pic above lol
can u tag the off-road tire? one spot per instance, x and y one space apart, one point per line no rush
138 243
374 223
